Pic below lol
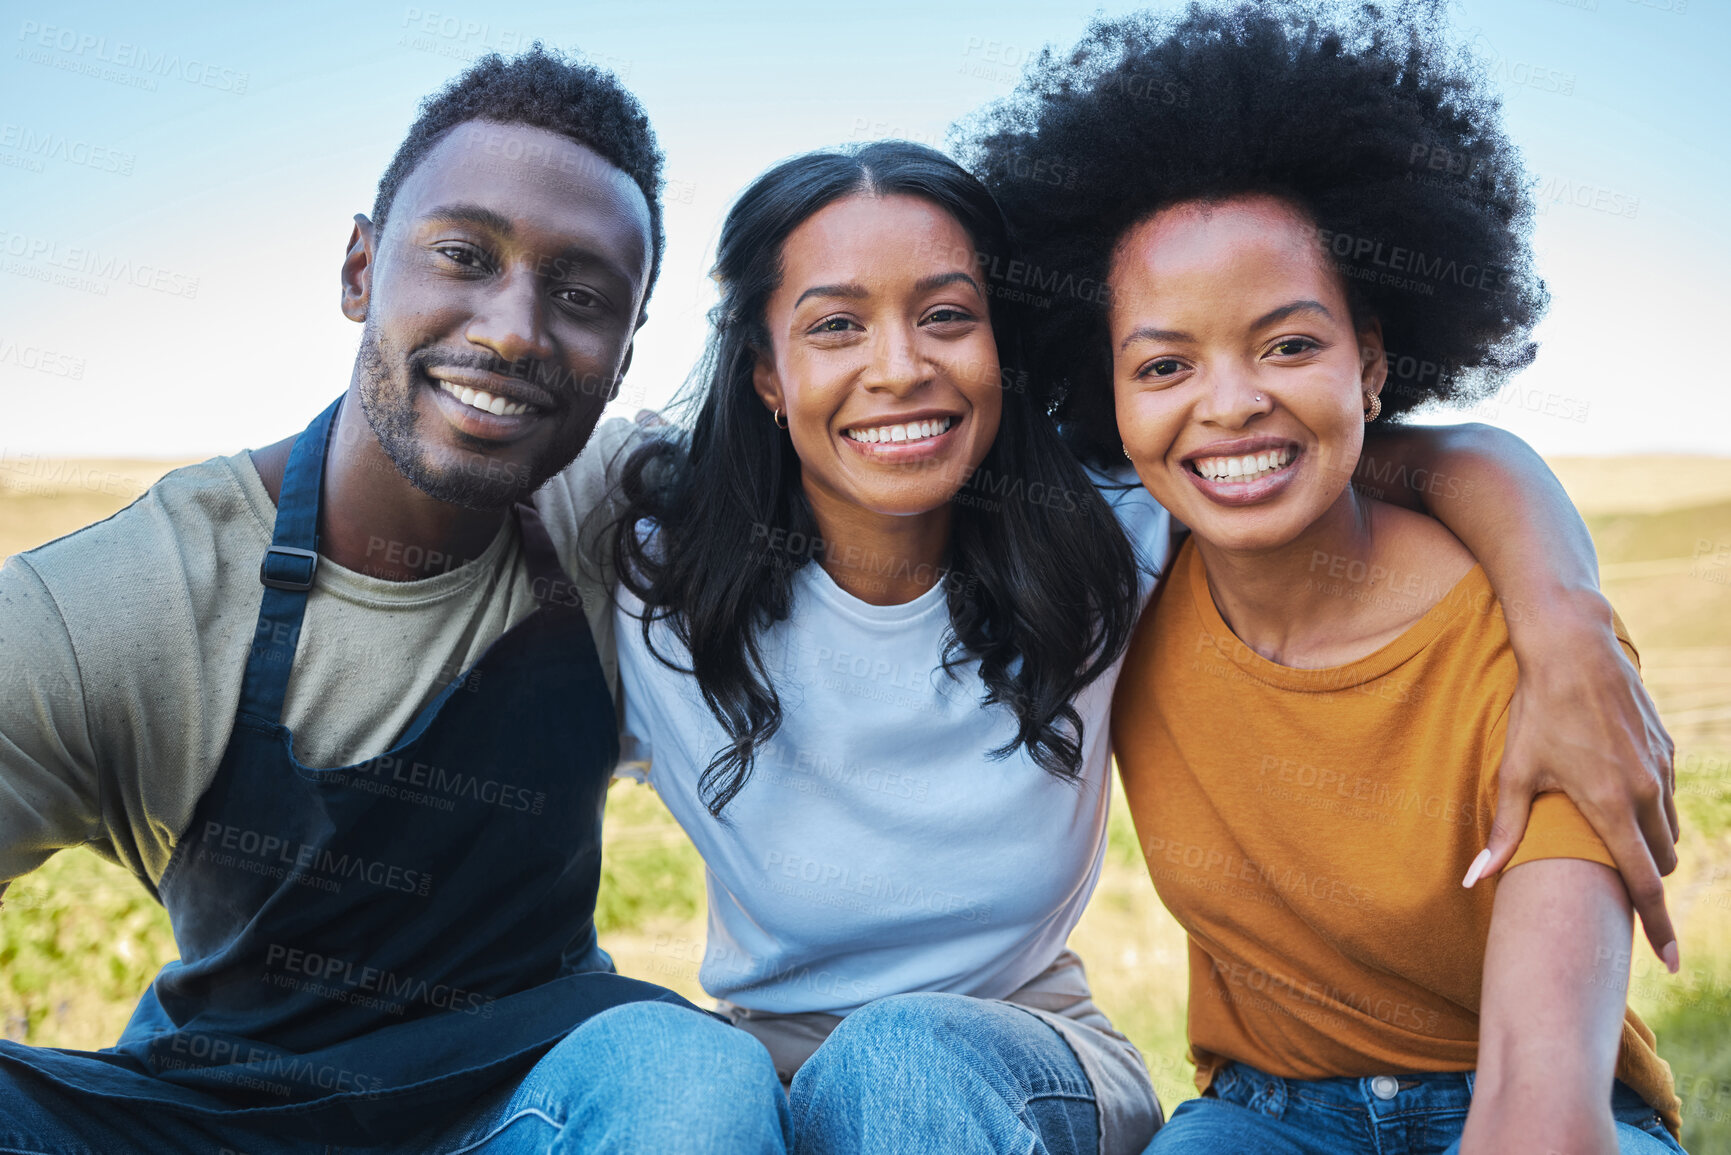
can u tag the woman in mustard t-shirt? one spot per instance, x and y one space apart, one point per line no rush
1311 718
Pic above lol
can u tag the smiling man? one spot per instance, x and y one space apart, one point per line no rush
345 704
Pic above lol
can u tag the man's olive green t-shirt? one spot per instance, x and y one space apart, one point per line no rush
123 645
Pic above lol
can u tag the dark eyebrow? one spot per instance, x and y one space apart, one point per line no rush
858 292
939 280
1268 318
573 256
467 214
1150 334
854 292
1286 311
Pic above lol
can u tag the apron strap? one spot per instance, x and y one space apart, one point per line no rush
292 561
287 572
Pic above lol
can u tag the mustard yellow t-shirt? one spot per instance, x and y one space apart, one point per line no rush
1310 829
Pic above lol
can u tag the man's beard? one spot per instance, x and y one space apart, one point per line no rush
388 402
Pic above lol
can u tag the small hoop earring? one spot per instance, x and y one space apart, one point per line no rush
1375 409
1127 457
779 419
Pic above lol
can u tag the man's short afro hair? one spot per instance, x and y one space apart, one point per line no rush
1366 119
542 89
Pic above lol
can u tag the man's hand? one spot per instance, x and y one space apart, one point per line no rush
1582 723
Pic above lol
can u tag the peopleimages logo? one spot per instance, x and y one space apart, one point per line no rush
41 145
89 269
1369 258
344 980
87 50
303 863
40 359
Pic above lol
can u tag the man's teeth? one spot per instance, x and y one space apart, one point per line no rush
912 431
486 402
1250 467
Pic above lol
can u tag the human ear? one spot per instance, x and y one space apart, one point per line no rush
1372 359
766 382
358 269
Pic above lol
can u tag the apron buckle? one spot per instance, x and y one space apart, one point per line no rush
287 568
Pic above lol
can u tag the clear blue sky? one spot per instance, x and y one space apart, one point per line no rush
177 182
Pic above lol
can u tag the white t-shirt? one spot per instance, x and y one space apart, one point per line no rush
877 848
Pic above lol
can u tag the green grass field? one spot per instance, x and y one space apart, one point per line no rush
79 939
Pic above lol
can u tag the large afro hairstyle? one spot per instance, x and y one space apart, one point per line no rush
1368 119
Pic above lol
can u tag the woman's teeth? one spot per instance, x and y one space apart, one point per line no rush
1250 467
486 402
912 431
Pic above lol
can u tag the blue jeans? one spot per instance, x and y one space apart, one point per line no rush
637 1078
937 1072
1247 1110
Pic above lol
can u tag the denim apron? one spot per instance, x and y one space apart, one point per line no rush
364 950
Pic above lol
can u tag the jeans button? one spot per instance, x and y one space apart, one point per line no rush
1385 1086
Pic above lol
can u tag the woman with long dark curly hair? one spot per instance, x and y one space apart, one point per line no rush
870 609
1311 719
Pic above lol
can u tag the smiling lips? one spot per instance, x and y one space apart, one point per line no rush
1249 467
910 431
484 401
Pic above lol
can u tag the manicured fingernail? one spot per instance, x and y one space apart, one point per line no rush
1673 961
1476 869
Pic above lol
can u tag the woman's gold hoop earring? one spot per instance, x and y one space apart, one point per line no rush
779 419
1375 409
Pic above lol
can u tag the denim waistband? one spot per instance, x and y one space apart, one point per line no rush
1378 1095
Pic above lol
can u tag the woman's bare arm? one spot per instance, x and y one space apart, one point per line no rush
1581 721
1551 1018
